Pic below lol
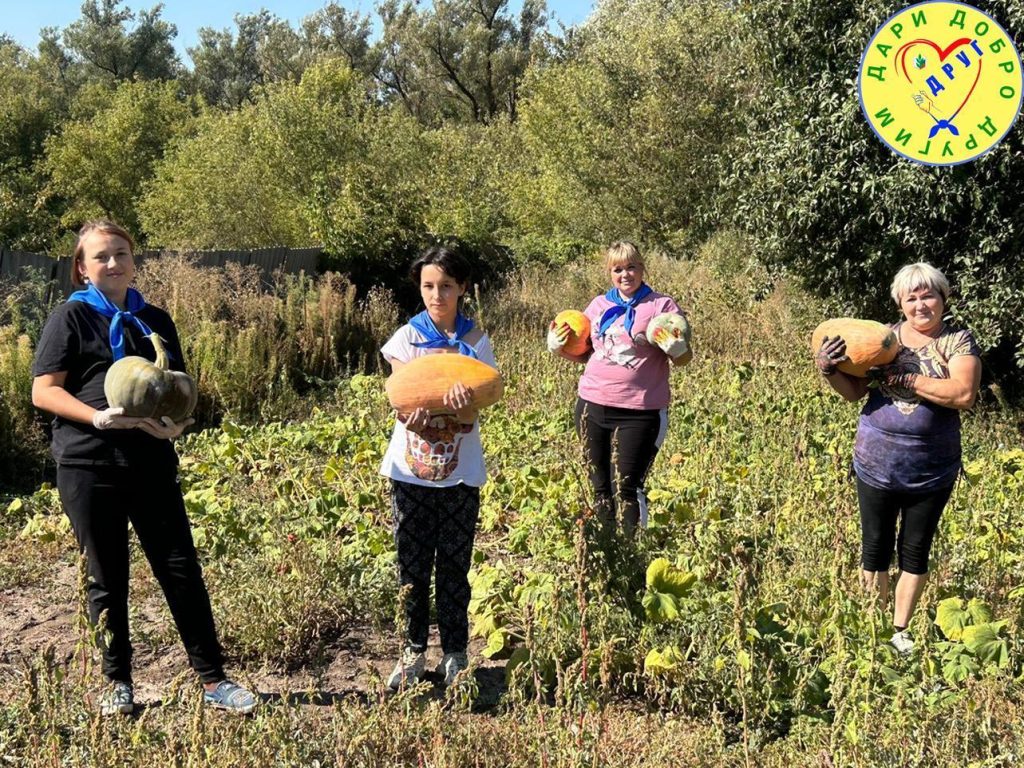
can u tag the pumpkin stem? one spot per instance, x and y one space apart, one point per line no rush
161 350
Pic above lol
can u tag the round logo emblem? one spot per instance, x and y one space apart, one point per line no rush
940 83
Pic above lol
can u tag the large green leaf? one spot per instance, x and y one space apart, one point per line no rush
660 662
959 669
662 576
660 606
520 656
980 613
952 618
984 642
495 644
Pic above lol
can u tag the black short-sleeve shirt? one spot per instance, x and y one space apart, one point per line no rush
76 339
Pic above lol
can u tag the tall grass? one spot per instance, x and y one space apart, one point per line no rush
255 348
24 306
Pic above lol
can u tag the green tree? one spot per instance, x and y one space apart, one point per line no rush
334 31
31 107
833 205
103 41
458 59
466 185
232 69
222 187
98 165
621 137
316 161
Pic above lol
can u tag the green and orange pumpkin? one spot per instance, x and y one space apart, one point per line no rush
674 325
148 389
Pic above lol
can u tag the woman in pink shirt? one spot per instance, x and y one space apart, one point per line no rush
621 413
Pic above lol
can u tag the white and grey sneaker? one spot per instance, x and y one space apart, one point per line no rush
408 670
451 665
118 699
902 642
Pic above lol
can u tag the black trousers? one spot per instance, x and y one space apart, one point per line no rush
628 439
435 528
918 514
100 501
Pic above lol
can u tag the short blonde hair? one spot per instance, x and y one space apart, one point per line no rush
622 252
913 277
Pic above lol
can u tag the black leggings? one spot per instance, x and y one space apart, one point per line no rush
630 438
100 501
879 510
434 530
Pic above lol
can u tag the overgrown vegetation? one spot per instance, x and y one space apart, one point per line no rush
733 633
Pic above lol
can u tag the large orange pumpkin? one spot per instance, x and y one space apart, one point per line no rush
424 381
867 343
578 342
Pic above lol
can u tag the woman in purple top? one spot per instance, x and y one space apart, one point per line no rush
621 413
907 452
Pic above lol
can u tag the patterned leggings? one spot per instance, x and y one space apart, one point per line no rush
435 525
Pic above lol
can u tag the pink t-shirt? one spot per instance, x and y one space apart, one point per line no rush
619 373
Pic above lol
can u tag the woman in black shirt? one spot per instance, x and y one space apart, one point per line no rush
112 469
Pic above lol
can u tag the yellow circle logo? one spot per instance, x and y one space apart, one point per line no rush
940 83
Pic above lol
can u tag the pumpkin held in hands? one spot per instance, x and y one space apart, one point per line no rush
867 343
150 390
578 341
675 325
424 381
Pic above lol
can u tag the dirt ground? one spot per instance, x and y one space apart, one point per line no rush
45 615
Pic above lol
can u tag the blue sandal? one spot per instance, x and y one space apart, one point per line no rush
230 697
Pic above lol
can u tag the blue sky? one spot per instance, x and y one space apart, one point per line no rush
23 20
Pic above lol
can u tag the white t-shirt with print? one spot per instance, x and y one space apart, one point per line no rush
447 453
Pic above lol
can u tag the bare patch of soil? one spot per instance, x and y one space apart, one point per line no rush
43 618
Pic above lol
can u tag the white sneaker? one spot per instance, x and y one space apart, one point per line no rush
902 643
408 670
451 665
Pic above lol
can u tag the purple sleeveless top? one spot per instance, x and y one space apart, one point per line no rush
907 443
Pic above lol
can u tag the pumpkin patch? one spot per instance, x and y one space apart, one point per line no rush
867 343
424 381
150 390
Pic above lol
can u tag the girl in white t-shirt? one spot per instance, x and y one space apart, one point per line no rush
436 466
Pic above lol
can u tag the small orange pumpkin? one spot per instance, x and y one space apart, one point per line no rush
867 343
424 381
578 341
148 389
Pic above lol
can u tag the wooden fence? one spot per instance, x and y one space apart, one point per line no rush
14 264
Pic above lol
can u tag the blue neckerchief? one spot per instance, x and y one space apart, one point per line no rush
622 307
94 297
437 339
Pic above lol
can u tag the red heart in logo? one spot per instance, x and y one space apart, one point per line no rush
943 53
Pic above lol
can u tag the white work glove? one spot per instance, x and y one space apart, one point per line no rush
113 418
557 336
